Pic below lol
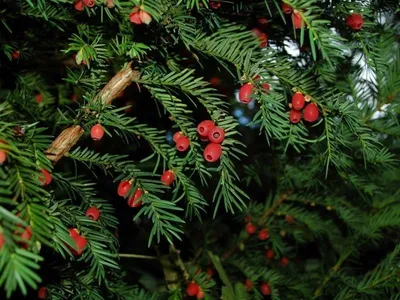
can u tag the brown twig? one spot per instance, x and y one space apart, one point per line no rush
71 135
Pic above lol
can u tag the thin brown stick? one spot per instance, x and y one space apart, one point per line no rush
139 256
71 135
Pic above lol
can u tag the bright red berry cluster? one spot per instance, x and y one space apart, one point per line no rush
193 289
80 4
310 112
208 131
265 289
123 191
138 16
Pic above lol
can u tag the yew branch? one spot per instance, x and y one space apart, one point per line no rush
71 135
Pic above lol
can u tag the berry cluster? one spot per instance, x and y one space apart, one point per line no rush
193 289
80 4
265 289
247 90
310 112
208 131
139 16
123 191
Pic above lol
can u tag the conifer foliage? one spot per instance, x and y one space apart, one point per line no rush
279 180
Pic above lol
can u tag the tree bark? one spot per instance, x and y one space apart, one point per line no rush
71 135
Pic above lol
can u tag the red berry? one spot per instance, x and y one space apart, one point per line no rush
177 135
297 20
15 54
73 97
270 254
298 101
123 188
145 17
73 232
311 113
79 6
215 81
93 213
215 4
294 116
245 93
286 8
248 284
210 273
42 292
27 234
80 243
46 177
39 98
200 295
262 37
192 289
182 144
284 261
262 22
263 234
265 289
212 152
250 228
1 240
3 157
133 201
110 4
205 127
216 135
289 219
355 21
89 3
167 178
134 17
97 132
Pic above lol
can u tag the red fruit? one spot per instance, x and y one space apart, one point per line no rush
1 240
15 54
192 289
294 116
210 273
289 219
250 228
167 178
132 202
46 177
80 243
215 81
355 21
245 93
262 37
311 113
212 152
79 6
134 17
286 8
182 144
145 17
265 289
262 22
297 20
270 254
73 232
298 101
215 4
248 284
27 234
3 157
42 292
89 3
73 97
284 261
204 128
123 188
177 135
263 234
93 213
39 98
200 295
97 132
110 4
216 135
